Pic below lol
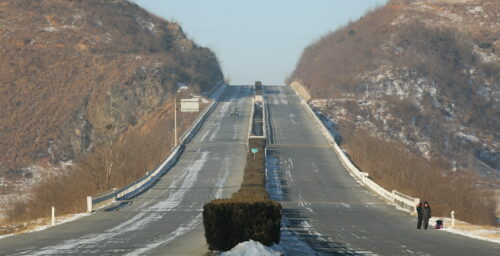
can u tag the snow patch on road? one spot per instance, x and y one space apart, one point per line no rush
346 205
181 184
289 241
292 118
204 136
164 240
218 119
78 244
304 204
273 184
290 238
188 177
223 112
222 180
183 229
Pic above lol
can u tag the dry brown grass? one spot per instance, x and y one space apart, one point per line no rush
101 66
110 166
392 166
337 57
97 51
340 66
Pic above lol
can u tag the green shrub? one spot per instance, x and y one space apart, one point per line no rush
249 213
230 222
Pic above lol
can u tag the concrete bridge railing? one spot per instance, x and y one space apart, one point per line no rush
402 201
103 199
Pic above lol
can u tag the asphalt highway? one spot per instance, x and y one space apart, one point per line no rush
325 210
167 219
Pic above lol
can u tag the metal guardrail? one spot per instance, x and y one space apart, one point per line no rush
144 183
402 201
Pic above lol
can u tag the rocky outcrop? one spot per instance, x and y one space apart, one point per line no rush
76 73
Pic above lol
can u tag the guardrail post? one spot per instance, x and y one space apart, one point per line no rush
89 204
453 218
53 216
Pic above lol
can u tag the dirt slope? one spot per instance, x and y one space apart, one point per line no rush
76 73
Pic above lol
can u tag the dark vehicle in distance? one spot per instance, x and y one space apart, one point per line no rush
235 112
258 88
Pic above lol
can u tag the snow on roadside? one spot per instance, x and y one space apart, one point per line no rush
251 248
37 225
61 220
486 233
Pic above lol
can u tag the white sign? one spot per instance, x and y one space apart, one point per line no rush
190 105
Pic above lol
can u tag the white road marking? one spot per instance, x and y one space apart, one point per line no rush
164 240
138 222
346 205
183 229
188 177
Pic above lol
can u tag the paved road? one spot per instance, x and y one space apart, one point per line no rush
326 211
167 219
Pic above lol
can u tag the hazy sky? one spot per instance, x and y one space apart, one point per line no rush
258 40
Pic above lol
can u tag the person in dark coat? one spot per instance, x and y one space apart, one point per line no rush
420 215
426 212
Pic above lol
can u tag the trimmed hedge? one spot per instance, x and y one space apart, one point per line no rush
253 186
229 223
249 213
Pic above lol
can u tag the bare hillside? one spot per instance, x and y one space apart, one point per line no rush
74 74
414 90
426 73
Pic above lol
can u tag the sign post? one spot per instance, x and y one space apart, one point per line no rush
187 105
89 204
254 151
453 219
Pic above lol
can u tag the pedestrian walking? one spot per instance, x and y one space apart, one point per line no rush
426 212
420 215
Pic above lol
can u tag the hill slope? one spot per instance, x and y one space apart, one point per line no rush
77 73
414 87
422 72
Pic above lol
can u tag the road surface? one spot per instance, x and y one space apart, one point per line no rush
166 220
326 210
